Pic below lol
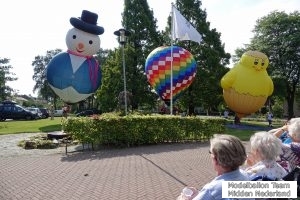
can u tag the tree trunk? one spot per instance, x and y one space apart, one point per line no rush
290 101
191 102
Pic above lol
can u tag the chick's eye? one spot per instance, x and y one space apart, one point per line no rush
262 64
91 42
74 36
255 62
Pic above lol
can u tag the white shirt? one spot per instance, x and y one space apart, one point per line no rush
270 169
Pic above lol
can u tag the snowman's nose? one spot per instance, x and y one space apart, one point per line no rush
80 45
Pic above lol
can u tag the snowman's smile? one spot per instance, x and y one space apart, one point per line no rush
79 51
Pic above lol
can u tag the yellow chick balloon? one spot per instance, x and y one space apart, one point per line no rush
247 85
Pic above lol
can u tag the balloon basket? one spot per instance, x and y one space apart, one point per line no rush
243 104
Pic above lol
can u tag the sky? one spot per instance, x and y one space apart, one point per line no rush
30 28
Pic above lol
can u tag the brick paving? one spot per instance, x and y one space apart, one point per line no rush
147 172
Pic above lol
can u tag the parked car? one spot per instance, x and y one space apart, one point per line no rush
45 113
85 113
36 111
11 110
58 113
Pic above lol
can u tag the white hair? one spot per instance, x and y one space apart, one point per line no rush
267 145
294 128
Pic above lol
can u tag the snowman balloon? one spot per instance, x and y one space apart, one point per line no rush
75 75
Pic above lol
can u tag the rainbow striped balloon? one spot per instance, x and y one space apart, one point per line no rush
158 71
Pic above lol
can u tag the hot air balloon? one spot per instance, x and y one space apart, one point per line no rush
247 85
75 75
158 71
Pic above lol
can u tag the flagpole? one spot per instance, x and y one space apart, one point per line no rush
181 29
171 81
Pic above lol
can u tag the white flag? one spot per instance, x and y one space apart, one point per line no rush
183 29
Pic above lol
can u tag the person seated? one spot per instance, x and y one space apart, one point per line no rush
290 157
227 154
262 160
288 136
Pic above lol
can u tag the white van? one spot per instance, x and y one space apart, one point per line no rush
58 113
36 111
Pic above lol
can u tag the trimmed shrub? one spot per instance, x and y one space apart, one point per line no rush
133 130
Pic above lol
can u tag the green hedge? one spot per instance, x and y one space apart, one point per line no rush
136 130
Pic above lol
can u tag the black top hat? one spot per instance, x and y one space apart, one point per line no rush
87 23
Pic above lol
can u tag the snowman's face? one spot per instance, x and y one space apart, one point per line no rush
83 43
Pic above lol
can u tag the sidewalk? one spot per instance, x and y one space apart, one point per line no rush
147 172
9 146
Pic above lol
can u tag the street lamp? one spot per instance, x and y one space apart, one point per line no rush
123 34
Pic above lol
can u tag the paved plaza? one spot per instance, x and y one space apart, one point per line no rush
146 172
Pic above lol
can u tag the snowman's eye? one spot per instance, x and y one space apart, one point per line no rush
74 36
91 42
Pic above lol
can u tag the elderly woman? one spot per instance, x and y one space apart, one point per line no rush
262 160
288 133
290 157
227 154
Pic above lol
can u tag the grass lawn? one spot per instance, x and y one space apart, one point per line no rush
30 126
245 134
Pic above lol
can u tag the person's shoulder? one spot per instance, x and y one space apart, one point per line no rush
295 146
236 175
212 190
253 170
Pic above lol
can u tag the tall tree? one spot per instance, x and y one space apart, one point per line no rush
139 19
277 35
39 76
5 76
111 83
211 59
